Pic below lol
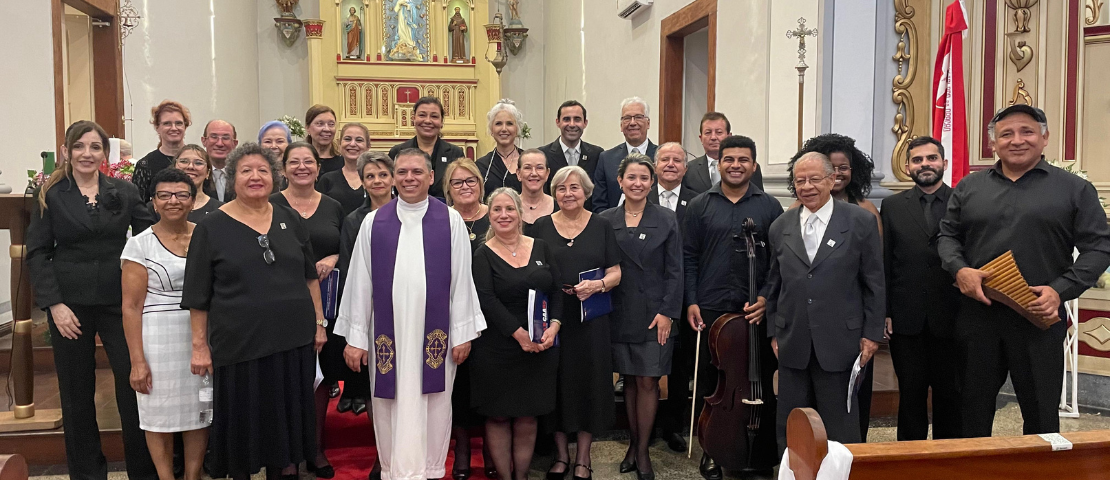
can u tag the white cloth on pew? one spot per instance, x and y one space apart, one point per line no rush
837 465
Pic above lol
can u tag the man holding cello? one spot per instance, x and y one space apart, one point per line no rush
719 282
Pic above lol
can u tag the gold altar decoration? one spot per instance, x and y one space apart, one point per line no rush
1020 93
1020 54
1021 14
377 89
288 23
909 59
1092 11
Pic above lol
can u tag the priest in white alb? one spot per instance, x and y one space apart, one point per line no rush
409 312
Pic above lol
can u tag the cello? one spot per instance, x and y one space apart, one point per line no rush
731 418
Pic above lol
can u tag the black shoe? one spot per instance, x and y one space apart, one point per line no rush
675 441
491 471
709 469
358 406
376 471
628 465
588 476
343 406
326 471
555 475
645 475
334 391
463 474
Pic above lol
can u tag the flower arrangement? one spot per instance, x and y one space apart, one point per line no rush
35 179
122 170
1070 168
296 128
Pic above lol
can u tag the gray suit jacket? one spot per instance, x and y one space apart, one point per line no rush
829 304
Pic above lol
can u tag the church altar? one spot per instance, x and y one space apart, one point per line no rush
371 60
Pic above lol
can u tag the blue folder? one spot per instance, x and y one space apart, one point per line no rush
600 303
329 295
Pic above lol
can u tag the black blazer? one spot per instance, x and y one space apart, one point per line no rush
918 290
826 306
442 155
685 195
607 193
74 258
591 154
651 274
698 179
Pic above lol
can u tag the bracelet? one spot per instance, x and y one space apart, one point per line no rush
556 320
603 285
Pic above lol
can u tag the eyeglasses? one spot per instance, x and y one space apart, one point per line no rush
220 138
842 169
165 196
267 255
630 118
801 182
178 124
471 182
195 163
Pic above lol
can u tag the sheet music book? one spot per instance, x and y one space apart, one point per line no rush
538 319
329 295
600 303
856 380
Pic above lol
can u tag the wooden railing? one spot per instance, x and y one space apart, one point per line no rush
1002 458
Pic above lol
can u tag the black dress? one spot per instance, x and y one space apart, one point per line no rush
506 381
261 326
145 169
585 380
478 227
323 232
330 164
463 413
495 174
334 185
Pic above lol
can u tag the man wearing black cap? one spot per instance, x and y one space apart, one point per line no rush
1041 213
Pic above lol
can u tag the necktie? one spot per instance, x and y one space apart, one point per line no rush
572 157
812 241
714 175
668 200
219 180
932 220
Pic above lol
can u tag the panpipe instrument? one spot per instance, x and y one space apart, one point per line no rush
1006 284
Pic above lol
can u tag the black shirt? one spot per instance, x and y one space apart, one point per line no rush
323 226
330 164
145 169
334 185
495 174
714 253
254 309
1041 217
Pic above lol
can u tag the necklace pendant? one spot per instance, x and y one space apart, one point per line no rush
514 254
570 243
472 237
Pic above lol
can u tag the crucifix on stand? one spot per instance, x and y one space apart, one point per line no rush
801 33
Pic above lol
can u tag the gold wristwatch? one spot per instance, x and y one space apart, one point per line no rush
322 323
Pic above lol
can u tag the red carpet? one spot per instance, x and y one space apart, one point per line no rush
351 451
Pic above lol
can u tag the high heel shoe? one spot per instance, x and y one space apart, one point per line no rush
343 406
333 391
588 476
462 474
358 406
491 471
557 475
645 475
326 471
628 465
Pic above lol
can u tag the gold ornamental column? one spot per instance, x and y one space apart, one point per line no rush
314 34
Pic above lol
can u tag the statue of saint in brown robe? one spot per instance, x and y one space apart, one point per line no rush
457 27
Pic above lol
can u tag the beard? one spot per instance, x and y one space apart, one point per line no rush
938 176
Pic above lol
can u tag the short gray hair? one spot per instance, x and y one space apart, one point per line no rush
672 145
516 201
815 157
124 148
377 158
583 178
990 128
244 150
632 100
505 105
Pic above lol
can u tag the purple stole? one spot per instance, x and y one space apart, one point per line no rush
437 274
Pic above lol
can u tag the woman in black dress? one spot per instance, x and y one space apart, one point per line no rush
462 186
513 376
649 300
499 166
323 218
581 242
345 184
320 132
193 160
77 233
170 120
253 293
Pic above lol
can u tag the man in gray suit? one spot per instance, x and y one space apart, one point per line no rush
826 300
702 173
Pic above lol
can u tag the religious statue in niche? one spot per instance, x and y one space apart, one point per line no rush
406 30
352 28
514 10
458 30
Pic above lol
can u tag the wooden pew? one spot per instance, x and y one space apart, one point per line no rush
13 467
1002 458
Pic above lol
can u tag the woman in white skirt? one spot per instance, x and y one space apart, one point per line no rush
159 336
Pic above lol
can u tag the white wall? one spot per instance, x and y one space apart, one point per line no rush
695 89
522 80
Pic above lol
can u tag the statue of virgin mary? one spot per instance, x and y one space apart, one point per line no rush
404 46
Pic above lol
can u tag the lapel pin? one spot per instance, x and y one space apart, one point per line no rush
539 263
443 159
831 243
684 203
642 236
282 225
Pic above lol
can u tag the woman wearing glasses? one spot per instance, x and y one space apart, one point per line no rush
463 189
253 295
193 160
170 120
533 174
158 332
